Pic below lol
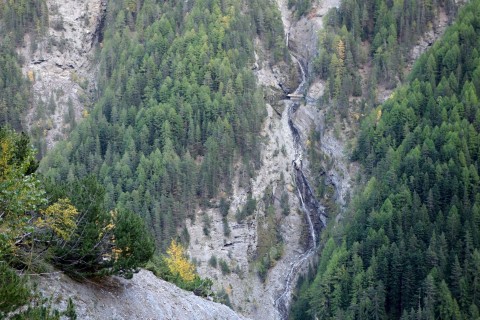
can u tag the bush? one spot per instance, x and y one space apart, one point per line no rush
175 268
222 297
284 204
213 261
224 267
224 207
247 210
103 243
206 225
13 290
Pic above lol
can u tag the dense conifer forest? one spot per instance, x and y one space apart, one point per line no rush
409 247
370 41
178 107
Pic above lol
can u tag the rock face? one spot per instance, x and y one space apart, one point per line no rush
60 63
143 297
240 250
248 294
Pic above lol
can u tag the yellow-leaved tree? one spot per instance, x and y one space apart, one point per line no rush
60 218
22 196
177 262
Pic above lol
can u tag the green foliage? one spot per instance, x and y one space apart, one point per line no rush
200 287
224 267
21 16
224 207
226 228
301 6
284 204
410 245
207 223
21 195
70 313
103 242
270 241
213 261
375 36
14 88
19 188
222 297
133 245
39 309
178 105
13 290
83 254
17 18
20 191
247 210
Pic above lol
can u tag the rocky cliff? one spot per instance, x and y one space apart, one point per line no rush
61 65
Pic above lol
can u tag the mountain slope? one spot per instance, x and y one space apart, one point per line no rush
60 63
409 246
178 106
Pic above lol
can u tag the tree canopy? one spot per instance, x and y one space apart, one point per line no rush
410 243
178 106
66 225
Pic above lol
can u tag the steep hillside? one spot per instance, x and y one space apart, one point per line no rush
16 19
266 251
178 106
176 127
408 247
143 297
229 126
61 67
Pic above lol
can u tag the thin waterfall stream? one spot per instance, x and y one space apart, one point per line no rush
314 213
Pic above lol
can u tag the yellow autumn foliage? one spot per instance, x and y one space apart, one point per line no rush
60 218
31 75
178 263
379 114
341 51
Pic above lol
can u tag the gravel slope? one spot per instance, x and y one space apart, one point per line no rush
143 297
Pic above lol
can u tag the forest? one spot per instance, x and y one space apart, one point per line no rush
368 43
409 245
178 107
179 113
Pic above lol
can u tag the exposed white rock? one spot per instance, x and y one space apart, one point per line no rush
143 297
61 64
247 293
316 90
430 36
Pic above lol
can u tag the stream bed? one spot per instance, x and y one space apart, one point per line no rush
314 212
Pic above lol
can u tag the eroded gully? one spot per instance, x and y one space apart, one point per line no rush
314 213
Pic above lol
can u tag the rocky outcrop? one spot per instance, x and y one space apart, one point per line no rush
143 297
277 80
248 294
60 65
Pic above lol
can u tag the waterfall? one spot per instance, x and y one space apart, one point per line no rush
309 205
